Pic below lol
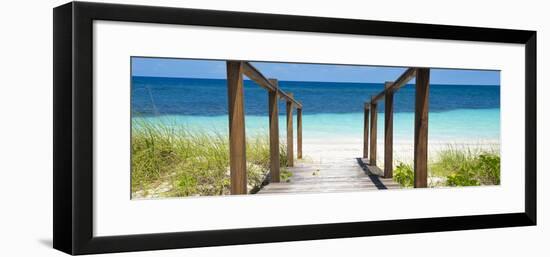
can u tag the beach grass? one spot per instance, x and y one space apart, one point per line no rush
457 166
173 161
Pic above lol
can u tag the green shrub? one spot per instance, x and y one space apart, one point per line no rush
285 175
483 169
462 178
489 167
404 175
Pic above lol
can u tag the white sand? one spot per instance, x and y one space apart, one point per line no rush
329 150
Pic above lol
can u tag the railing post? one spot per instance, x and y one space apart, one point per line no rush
299 128
421 128
388 132
373 126
289 133
274 133
237 138
366 131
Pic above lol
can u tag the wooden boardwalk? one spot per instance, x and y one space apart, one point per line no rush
341 175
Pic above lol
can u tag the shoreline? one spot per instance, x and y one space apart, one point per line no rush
328 150
455 125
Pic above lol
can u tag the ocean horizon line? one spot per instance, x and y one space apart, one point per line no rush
312 81
304 113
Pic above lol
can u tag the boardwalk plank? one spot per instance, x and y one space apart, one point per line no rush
345 175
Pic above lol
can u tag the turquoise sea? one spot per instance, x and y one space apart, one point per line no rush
331 110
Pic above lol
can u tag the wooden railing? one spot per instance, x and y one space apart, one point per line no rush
420 127
237 135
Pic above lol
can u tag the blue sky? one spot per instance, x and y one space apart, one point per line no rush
184 68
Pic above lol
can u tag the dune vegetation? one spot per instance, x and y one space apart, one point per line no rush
456 166
174 161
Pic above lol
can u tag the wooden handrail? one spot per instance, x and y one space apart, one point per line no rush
237 137
274 157
420 128
388 131
237 143
366 124
252 73
379 96
409 74
283 94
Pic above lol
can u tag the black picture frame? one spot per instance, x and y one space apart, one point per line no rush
73 127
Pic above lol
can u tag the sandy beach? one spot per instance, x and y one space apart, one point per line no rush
329 150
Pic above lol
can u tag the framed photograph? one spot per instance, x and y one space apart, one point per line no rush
178 128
